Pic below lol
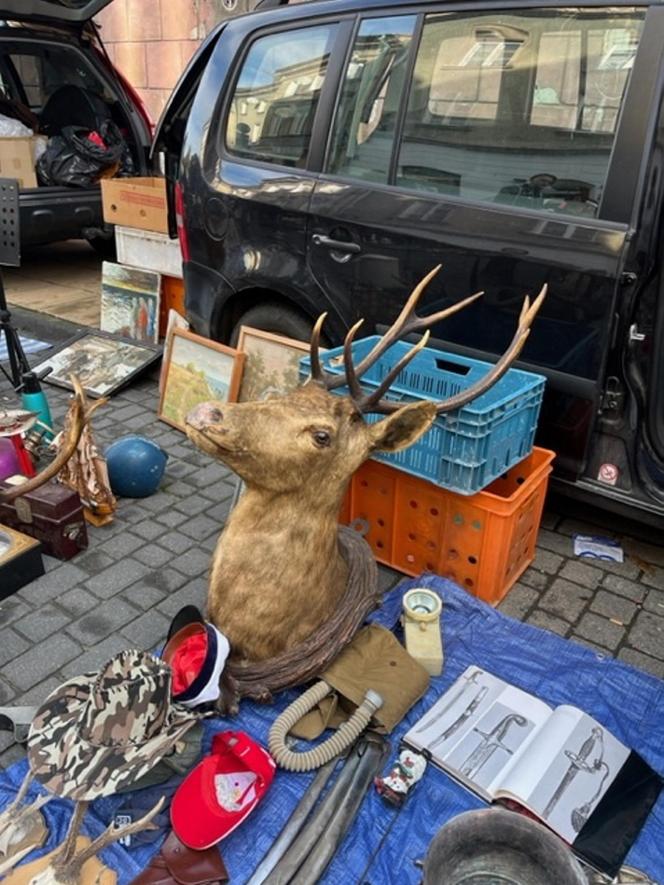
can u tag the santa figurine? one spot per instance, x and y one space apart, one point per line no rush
404 774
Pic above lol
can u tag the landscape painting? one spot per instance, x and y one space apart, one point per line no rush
195 371
130 302
272 364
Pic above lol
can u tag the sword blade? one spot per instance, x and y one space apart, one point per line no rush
470 680
294 824
467 713
572 772
478 759
578 761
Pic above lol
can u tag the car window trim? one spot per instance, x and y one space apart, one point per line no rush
403 104
234 74
330 120
560 218
329 97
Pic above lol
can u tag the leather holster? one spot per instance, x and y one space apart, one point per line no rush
178 865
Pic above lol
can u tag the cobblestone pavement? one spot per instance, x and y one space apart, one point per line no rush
138 571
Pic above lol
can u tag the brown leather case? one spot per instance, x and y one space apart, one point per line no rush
52 514
178 865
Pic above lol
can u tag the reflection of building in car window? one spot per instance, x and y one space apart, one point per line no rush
277 95
496 104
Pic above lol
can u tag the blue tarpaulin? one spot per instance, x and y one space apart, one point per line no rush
628 702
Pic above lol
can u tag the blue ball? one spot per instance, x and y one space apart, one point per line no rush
135 466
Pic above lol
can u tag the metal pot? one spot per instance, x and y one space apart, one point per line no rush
496 847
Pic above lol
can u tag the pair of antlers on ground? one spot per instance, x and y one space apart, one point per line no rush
67 863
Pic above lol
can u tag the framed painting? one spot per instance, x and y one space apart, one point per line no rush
103 363
195 371
272 363
130 302
175 321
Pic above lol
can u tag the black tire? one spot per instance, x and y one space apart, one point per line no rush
104 247
273 317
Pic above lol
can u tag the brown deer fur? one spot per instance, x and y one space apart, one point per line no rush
277 573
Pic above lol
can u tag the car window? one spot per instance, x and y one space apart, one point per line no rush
365 121
276 95
518 109
46 69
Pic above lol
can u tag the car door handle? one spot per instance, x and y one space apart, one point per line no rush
337 245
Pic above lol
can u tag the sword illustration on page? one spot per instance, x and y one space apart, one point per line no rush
458 722
467 682
579 762
490 743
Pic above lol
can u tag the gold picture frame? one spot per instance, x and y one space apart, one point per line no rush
271 364
196 370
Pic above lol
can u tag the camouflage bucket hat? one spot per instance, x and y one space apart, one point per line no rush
102 731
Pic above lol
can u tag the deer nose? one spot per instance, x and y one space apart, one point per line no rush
204 415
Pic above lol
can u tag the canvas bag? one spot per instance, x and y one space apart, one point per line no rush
375 659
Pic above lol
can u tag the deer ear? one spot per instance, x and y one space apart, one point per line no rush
403 428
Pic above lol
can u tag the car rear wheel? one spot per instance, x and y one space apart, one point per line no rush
274 317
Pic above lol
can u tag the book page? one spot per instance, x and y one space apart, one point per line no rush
478 727
567 770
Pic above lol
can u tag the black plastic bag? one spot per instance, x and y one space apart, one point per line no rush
71 159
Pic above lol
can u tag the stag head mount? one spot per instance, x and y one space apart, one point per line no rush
277 572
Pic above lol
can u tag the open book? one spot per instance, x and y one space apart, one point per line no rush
561 765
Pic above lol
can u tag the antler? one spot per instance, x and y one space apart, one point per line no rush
80 413
111 834
405 324
528 313
12 814
12 818
20 796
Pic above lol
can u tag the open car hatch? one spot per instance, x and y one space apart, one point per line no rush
74 12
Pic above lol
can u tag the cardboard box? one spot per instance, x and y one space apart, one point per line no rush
17 160
136 202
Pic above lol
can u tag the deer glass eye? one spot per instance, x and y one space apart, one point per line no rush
321 438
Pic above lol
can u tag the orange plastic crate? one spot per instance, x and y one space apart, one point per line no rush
483 542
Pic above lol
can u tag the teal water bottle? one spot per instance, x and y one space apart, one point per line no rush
34 399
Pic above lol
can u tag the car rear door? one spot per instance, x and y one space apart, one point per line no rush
505 145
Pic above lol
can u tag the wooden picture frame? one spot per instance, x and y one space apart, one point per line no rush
102 362
196 370
281 355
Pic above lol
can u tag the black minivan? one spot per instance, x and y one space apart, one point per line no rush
325 155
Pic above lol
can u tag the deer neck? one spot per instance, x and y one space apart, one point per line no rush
277 572
293 523
287 542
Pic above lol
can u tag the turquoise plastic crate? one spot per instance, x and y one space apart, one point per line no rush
466 449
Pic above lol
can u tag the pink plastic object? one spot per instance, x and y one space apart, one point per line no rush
9 464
